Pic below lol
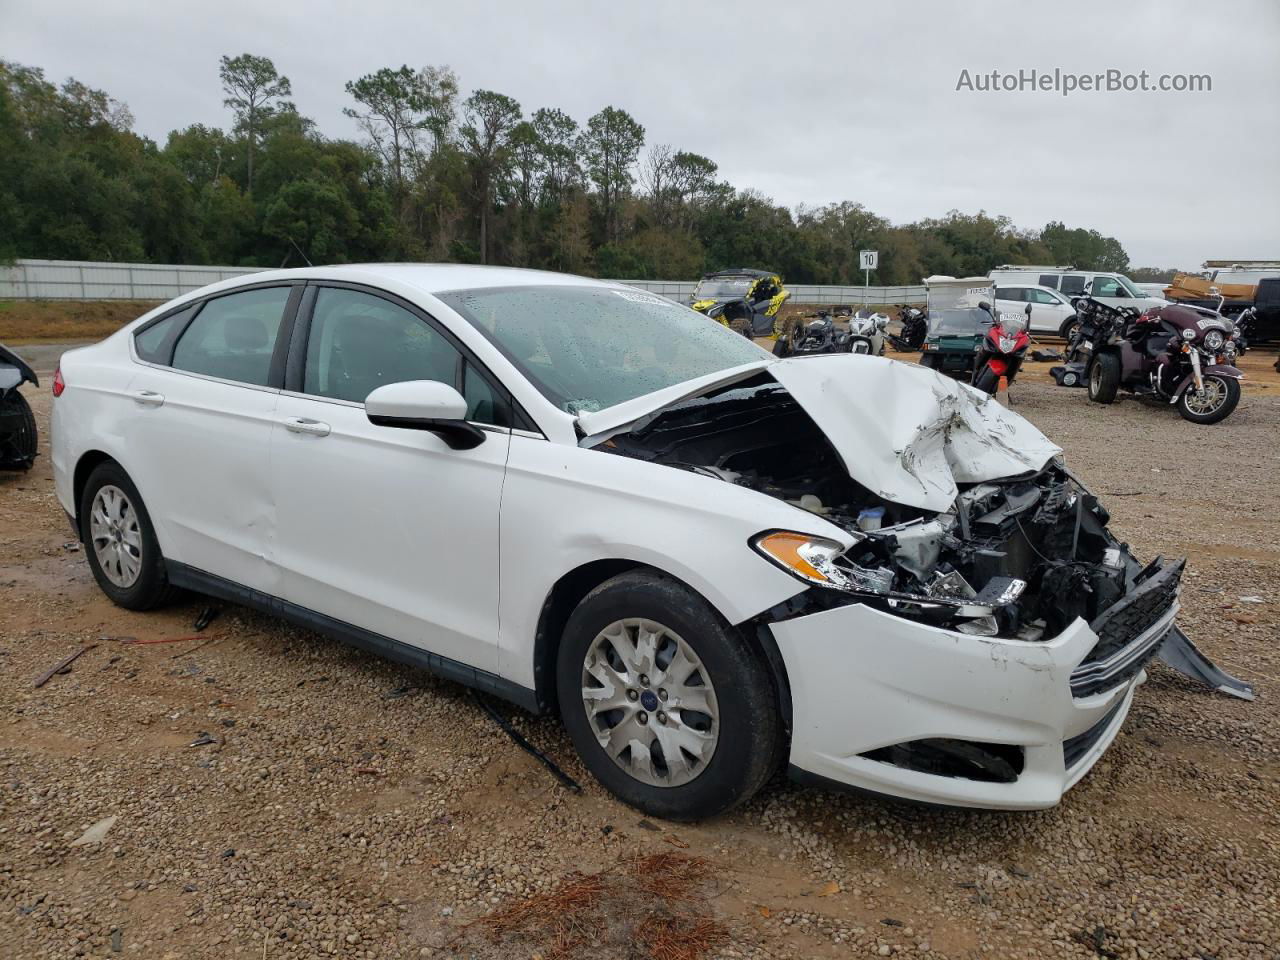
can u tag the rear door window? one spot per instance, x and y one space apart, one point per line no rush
1016 294
233 337
1049 280
1073 284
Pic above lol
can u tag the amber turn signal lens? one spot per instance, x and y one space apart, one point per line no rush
789 550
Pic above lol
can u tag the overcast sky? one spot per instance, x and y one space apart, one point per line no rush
807 102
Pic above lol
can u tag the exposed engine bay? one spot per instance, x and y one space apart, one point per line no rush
1021 557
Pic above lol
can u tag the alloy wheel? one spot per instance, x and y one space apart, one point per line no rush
650 702
1205 402
115 536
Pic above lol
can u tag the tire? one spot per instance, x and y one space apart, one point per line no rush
1068 327
19 450
742 325
986 381
147 588
740 728
781 347
1230 398
860 345
927 360
1104 378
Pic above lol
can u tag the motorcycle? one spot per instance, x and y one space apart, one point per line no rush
1179 354
1097 325
17 424
813 334
1002 350
867 332
915 326
1246 325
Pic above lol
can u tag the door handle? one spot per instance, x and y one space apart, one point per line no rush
312 428
148 398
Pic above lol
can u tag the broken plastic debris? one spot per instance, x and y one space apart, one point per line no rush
96 833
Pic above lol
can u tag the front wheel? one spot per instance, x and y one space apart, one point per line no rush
859 345
1068 327
986 380
1213 404
1104 378
18 444
668 707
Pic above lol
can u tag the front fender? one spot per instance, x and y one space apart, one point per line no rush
564 507
1216 369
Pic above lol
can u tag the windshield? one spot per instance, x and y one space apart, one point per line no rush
954 310
588 348
1130 287
722 288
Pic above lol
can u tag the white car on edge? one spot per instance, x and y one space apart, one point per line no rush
586 498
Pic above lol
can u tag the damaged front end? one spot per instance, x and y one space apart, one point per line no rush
1019 557
18 441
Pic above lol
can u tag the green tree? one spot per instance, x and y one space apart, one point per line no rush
610 144
557 134
254 90
489 119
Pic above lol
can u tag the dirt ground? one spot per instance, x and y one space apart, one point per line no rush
26 321
276 794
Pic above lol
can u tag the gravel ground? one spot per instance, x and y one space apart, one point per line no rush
342 806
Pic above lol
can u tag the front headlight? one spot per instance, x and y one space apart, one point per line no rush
817 560
1214 340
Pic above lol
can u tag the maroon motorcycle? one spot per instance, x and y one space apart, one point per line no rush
1179 354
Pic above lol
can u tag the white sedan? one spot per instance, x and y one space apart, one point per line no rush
585 498
1051 311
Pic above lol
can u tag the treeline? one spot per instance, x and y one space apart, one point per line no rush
439 177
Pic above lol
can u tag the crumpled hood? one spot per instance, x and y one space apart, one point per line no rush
909 434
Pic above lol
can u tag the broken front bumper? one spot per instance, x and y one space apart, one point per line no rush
878 699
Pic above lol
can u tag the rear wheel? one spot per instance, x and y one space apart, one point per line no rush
120 541
1215 403
1104 378
668 707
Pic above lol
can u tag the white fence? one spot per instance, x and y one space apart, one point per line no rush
87 280
811 294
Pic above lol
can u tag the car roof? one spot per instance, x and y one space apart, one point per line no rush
1029 286
429 277
741 272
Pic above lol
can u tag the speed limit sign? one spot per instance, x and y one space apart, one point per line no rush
869 259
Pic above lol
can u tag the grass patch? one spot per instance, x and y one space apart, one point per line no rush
28 321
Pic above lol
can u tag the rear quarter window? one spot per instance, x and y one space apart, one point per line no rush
154 343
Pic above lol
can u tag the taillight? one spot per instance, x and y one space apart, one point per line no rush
58 383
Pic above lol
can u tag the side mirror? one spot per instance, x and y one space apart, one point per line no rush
424 405
1028 310
983 305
